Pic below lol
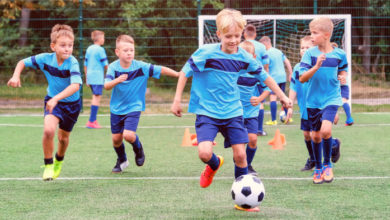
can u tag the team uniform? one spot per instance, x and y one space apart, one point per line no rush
345 94
95 61
260 52
59 78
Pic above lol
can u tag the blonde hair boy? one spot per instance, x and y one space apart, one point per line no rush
323 24
60 30
124 38
228 17
95 35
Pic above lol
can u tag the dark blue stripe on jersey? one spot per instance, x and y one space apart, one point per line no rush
132 74
247 81
104 59
264 57
344 66
256 71
292 80
193 65
109 77
329 62
226 65
34 61
305 65
296 75
151 70
86 59
56 72
75 74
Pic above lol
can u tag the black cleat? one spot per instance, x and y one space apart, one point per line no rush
120 166
336 151
251 170
309 165
139 155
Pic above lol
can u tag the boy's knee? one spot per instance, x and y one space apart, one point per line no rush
129 137
49 132
326 134
63 139
204 156
239 157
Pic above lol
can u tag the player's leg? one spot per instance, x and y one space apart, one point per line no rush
251 127
49 128
130 127
240 162
117 127
260 119
63 142
273 108
346 107
95 103
306 127
315 122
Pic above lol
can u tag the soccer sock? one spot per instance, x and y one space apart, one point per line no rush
94 110
250 154
136 144
347 110
58 158
213 162
327 150
310 150
274 108
238 171
120 151
48 161
260 119
285 110
317 154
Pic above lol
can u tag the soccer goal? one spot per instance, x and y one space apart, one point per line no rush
285 32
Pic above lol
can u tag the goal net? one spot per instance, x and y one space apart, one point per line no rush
285 32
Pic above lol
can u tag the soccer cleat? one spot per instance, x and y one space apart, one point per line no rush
309 165
336 151
139 155
206 178
327 173
120 166
97 125
349 122
92 125
317 177
48 173
261 133
57 168
251 170
255 209
272 122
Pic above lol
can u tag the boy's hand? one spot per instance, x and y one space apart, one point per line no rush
289 115
176 109
14 82
255 101
122 78
286 102
320 60
342 79
51 104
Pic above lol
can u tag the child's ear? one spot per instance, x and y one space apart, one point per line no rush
52 46
218 34
117 52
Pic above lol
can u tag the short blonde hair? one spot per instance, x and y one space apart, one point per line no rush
228 17
248 46
323 24
265 39
124 38
60 30
95 35
306 38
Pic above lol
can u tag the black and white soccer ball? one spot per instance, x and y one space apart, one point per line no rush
282 116
248 191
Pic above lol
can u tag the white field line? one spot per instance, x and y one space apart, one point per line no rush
189 178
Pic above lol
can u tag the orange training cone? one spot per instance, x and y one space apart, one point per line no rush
186 142
278 142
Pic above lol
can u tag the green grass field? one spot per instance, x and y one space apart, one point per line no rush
167 186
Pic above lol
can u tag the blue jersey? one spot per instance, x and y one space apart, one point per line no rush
324 87
95 61
301 90
58 77
214 90
261 52
129 96
276 65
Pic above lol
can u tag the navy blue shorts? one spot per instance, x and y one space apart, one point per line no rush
251 125
282 86
232 129
67 112
345 91
121 122
97 89
316 116
305 125
261 90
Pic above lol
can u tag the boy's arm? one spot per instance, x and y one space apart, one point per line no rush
266 67
111 84
292 95
85 71
68 91
286 102
15 79
289 69
255 100
342 76
176 105
308 74
169 72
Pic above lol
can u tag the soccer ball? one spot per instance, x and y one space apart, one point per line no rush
248 191
282 116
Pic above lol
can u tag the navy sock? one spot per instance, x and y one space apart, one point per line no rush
260 120
250 154
310 150
137 143
274 108
327 150
120 151
213 162
58 158
94 110
317 152
238 171
347 110
48 161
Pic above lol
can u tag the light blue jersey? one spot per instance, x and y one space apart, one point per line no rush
276 65
301 90
324 87
58 77
214 90
261 52
95 61
129 96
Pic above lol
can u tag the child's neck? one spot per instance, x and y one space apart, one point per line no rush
326 47
125 64
59 60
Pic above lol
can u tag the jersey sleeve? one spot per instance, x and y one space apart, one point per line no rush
75 75
151 70
343 65
284 57
256 69
35 61
305 63
195 63
103 57
264 58
110 75
294 78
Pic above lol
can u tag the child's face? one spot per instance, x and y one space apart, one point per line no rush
305 44
125 52
63 47
318 36
230 39
101 40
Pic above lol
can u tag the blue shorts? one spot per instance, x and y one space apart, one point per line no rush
121 122
261 90
305 125
67 112
345 91
251 125
316 116
232 129
282 86
97 89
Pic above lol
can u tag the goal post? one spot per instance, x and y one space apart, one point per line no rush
286 32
